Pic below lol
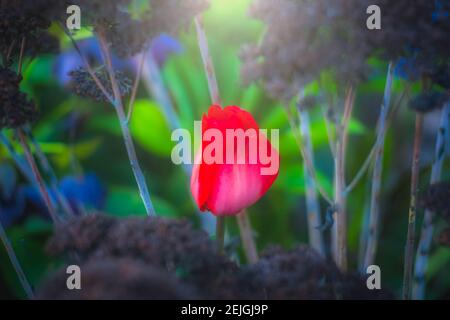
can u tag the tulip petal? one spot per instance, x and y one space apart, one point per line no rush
227 189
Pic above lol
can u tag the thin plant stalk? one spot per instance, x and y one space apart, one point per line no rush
136 86
364 168
307 160
131 151
18 160
374 214
154 84
426 236
247 239
15 263
411 234
220 233
215 98
207 61
339 232
364 233
37 175
45 165
312 202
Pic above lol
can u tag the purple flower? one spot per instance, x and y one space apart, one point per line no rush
80 191
440 11
12 197
161 47
87 190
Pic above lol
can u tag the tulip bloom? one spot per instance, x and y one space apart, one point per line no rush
227 187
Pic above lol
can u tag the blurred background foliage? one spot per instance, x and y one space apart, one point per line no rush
81 138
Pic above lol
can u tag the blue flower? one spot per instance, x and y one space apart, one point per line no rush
12 197
80 191
161 47
70 59
440 11
406 68
87 191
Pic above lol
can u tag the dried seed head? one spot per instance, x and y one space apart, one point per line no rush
117 279
26 19
305 38
171 16
173 245
83 85
15 109
437 199
440 75
127 36
428 101
100 13
301 273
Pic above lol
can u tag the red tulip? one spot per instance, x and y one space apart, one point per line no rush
227 187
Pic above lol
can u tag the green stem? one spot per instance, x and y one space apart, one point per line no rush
220 233
37 175
247 239
411 234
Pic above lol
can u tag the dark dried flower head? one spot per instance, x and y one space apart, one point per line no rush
41 43
413 29
301 273
172 245
437 199
117 279
26 20
171 16
82 236
302 39
100 13
305 38
15 109
428 101
127 36
441 75
83 85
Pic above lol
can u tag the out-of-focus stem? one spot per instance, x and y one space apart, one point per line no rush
207 61
247 237
411 234
364 233
374 215
220 233
37 175
136 82
212 86
312 202
131 151
45 165
154 84
307 161
339 232
426 235
88 66
15 263
18 159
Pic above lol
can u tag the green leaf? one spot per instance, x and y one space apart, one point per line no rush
127 201
150 129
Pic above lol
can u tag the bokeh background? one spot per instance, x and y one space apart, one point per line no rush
83 141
